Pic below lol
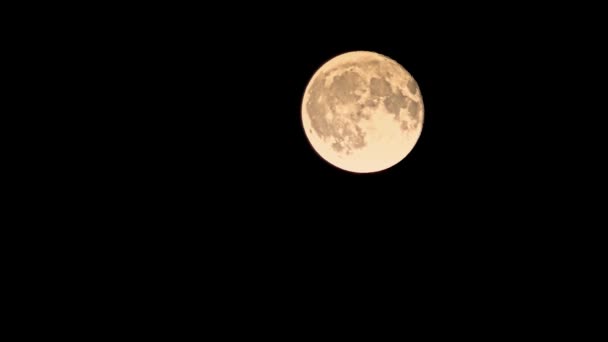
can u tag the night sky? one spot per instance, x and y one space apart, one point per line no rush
219 131
206 187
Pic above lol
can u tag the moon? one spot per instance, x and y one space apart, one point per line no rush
362 112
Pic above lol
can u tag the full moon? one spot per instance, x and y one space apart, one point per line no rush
362 112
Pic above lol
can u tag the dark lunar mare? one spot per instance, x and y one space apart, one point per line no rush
324 99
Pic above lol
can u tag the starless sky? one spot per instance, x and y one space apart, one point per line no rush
213 140
231 109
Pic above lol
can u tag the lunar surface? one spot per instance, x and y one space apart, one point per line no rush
362 112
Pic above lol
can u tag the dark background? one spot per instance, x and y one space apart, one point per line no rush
217 111
196 125
188 167
217 174
208 115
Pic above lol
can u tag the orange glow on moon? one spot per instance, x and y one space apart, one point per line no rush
362 112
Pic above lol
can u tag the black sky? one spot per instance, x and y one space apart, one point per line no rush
216 116
201 174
